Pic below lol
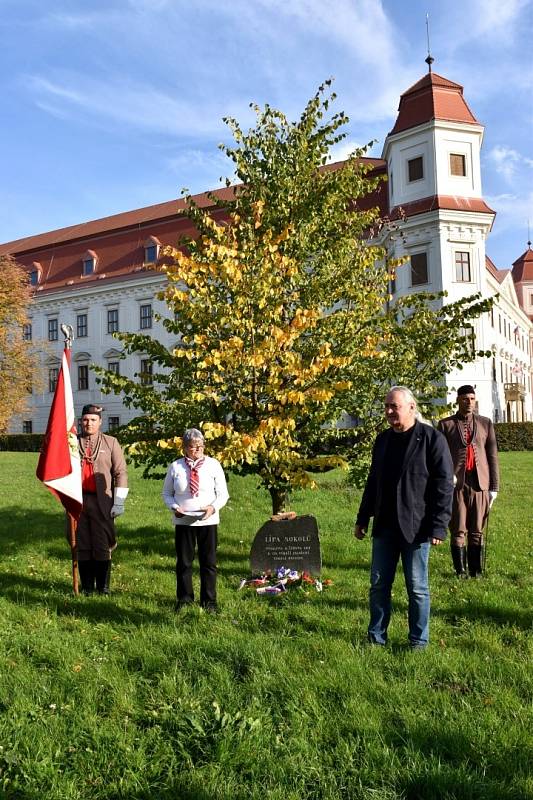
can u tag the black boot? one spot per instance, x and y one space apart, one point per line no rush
475 563
86 571
103 576
459 560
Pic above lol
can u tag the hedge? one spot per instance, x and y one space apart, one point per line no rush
21 442
510 436
514 435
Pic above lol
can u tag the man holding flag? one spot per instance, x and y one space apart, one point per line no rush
88 476
59 466
104 483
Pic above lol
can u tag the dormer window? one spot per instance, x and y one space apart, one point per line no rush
35 274
89 262
458 165
151 250
415 169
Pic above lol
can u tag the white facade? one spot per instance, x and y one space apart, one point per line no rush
98 345
434 173
446 235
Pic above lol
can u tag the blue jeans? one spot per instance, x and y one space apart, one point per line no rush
386 551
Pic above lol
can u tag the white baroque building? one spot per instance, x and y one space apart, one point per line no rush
98 276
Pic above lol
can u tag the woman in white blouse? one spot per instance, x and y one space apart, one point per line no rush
195 490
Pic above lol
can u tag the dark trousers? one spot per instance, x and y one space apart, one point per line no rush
186 539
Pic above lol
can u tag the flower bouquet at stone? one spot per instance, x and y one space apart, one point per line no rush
282 580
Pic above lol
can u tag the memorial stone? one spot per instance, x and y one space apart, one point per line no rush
292 543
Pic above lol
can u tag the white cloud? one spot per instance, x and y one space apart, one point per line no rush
121 102
513 214
341 151
507 161
208 166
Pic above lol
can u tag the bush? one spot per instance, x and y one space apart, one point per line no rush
21 442
514 435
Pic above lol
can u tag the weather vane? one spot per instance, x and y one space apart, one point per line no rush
429 60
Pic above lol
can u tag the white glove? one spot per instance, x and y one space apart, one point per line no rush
119 496
492 498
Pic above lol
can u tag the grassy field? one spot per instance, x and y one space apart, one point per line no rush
118 697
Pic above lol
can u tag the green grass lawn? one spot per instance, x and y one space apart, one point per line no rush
108 698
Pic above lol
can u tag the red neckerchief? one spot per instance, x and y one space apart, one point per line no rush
88 481
194 477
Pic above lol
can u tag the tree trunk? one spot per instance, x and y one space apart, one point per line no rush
279 499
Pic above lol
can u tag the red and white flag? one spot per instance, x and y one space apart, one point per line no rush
59 466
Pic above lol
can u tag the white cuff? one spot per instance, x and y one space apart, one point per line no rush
120 494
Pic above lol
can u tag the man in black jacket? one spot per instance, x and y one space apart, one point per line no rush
409 493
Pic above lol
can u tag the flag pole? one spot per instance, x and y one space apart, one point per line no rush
68 333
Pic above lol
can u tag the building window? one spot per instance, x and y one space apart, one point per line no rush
114 367
113 423
146 316
415 169
89 262
112 320
27 426
83 377
81 326
35 273
53 330
531 299
494 369
462 267
470 338
419 269
501 371
53 373
88 266
457 164
27 332
146 372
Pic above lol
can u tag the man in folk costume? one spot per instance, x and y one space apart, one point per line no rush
472 442
104 485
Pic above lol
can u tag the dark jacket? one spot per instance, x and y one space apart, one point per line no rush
425 489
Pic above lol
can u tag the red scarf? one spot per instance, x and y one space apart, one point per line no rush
194 477
88 481
470 459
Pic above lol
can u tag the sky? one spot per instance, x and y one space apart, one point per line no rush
114 105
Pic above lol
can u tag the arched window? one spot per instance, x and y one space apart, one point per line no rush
151 250
35 273
89 263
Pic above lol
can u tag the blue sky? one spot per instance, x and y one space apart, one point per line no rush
109 106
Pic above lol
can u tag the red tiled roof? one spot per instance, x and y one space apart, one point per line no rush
523 267
118 241
141 216
499 274
116 222
432 97
442 202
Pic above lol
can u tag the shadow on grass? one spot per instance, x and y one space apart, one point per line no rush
483 612
178 790
56 595
22 527
460 770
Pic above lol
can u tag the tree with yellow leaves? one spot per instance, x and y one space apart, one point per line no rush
16 357
279 312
